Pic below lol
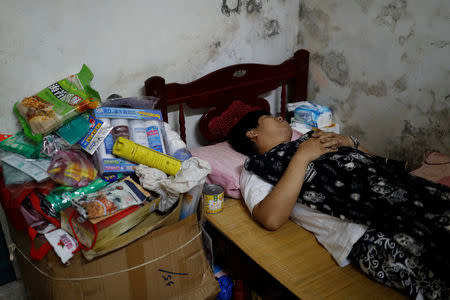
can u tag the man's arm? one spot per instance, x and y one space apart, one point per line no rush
274 210
342 140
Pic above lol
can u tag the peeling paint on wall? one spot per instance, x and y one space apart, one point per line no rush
407 77
440 44
404 57
300 39
404 39
272 27
336 68
391 13
377 90
400 84
226 10
254 6
364 4
316 23
417 139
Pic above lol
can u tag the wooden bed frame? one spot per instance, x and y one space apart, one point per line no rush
288 263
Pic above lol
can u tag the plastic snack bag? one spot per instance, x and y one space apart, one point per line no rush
60 102
72 168
20 144
114 197
60 197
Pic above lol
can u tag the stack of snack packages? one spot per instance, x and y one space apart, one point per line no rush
88 150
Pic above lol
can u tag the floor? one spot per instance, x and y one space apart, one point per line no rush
13 290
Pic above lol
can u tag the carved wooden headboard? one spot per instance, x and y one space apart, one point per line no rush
245 82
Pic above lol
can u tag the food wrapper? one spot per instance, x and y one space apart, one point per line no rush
60 197
112 198
63 244
72 168
58 103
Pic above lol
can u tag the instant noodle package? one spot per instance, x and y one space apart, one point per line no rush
57 104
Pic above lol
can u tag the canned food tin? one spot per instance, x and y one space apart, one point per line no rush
213 198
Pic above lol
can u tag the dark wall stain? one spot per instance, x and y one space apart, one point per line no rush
226 10
316 58
254 6
404 57
316 23
400 84
344 109
364 4
415 141
300 39
440 44
404 39
377 90
214 50
313 90
391 13
272 27
336 68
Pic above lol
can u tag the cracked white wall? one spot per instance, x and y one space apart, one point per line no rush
125 42
383 67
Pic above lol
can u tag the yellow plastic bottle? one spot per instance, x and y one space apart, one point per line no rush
142 155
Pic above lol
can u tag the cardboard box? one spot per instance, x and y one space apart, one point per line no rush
168 263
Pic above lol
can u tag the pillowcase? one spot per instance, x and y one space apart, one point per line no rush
226 165
435 167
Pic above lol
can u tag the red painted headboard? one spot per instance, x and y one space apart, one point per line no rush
245 82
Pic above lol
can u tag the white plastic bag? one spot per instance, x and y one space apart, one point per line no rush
193 172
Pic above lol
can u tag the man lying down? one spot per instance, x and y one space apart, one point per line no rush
361 208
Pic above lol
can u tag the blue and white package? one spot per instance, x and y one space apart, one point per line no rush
155 136
129 123
127 113
97 133
311 114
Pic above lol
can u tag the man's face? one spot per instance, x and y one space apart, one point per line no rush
274 127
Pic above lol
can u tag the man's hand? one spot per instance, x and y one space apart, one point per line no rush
316 146
338 139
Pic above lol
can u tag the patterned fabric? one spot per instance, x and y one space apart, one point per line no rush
222 124
383 259
353 185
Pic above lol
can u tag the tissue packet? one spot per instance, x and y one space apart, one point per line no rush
314 115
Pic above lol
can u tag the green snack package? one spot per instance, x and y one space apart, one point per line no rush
76 129
57 104
60 197
19 143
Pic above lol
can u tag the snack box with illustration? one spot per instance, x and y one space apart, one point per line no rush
107 227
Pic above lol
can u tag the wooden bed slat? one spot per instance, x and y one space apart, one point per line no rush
292 256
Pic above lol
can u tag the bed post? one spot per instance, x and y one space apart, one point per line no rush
301 80
156 86
283 99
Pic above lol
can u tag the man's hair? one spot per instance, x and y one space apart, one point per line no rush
238 134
